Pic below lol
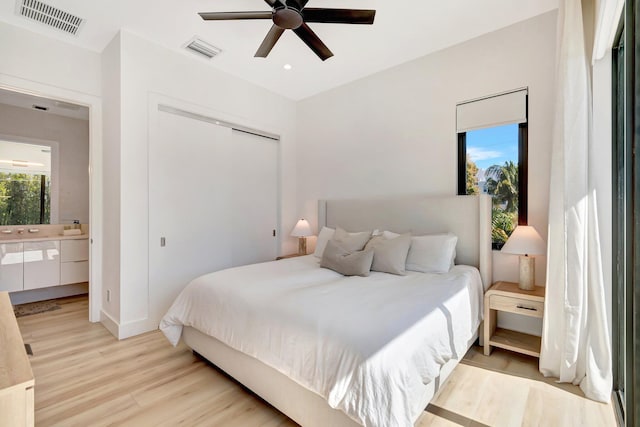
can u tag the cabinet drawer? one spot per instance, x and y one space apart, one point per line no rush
11 267
74 272
41 264
516 305
74 250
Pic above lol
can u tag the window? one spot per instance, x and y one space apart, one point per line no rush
492 157
25 184
626 217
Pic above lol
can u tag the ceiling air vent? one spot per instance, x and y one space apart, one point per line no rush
203 48
49 15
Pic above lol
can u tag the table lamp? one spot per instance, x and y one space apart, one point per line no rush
525 241
301 231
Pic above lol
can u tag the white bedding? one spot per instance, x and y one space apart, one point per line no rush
368 345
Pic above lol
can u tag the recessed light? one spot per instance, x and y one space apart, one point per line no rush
287 67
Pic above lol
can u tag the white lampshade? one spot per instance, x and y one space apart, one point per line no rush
525 240
302 229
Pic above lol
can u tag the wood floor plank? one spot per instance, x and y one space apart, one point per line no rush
85 377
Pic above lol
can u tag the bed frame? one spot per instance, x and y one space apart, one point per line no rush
469 217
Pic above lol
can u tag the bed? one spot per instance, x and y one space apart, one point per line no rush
303 338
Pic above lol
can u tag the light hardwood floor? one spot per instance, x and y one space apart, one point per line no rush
85 377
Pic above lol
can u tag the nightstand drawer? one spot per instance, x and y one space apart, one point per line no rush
516 305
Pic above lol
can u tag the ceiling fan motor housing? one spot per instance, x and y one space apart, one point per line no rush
287 15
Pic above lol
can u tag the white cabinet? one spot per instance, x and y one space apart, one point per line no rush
74 265
11 262
41 264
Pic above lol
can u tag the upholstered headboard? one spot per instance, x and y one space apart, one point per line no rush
468 217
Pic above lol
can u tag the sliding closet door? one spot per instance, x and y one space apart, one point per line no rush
255 195
190 217
213 200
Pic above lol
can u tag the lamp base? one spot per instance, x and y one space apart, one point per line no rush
302 245
527 273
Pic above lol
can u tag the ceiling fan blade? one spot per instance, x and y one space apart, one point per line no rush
339 16
313 41
269 41
222 16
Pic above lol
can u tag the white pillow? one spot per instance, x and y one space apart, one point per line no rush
323 237
433 253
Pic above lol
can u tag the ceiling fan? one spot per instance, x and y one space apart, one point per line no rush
293 15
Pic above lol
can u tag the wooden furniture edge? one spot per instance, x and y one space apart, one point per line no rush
17 394
15 368
491 324
536 295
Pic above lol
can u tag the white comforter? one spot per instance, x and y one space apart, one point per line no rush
367 345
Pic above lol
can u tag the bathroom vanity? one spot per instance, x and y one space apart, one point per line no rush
30 261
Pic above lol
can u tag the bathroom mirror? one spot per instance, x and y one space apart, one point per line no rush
44 161
25 183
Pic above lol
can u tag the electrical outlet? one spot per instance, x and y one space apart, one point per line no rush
108 295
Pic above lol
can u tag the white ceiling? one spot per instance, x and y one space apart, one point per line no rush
403 30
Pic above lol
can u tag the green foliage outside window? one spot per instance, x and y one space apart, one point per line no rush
502 185
20 199
472 177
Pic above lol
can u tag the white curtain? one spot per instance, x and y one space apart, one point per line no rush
575 340
607 17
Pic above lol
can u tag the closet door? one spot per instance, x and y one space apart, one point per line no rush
254 198
213 201
190 215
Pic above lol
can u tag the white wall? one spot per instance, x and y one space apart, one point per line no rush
147 68
72 137
111 71
31 56
394 132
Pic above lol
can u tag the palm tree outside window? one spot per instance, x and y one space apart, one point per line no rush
495 163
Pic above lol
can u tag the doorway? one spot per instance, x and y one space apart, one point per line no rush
38 98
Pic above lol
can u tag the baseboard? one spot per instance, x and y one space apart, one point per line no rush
109 323
137 327
129 329
53 292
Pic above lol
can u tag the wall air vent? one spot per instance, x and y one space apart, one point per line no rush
202 48
49 15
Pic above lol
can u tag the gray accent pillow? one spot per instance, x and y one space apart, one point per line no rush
351 241
345 262
390 255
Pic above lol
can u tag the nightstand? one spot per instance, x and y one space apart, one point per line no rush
506 296
288 256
